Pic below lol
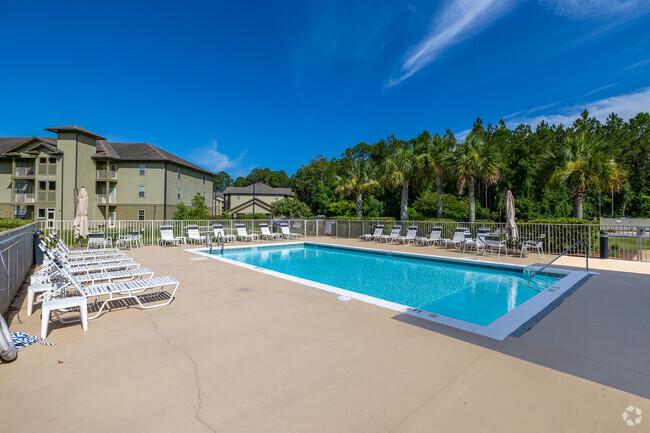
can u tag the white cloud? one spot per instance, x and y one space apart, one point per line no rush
601 88
456 21
588 9
212 159
625 106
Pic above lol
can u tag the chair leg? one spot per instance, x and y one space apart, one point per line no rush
83 309
45 321
30 301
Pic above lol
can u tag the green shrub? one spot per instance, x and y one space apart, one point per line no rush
8 224
290 208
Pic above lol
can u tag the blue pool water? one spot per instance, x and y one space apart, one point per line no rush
476 294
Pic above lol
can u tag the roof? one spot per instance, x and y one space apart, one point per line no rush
260 188
106 149
8 143
74 128
141 152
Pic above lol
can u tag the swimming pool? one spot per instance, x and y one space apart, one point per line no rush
466 294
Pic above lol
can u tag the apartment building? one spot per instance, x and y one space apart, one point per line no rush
125 181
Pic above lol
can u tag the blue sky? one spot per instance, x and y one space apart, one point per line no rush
237 85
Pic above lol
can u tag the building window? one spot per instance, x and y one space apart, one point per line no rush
43 160
40 213
141 191
20 213
277 197
141 214
238 196
203 179
178 194
42 185
179 172
203 195
111 220
52 160
52 186
143 169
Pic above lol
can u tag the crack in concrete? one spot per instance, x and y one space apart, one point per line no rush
196 371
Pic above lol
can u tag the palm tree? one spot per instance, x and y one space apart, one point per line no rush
473 161
398 169
581 163
359 183
433 161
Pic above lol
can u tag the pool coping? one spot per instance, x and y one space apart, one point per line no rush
535 307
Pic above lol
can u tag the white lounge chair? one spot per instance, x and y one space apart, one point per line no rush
409 237
243 235
109 292
286 233
266 233
538 245
167 236
194 235
458 238
217 229
432 239
394 233
379 229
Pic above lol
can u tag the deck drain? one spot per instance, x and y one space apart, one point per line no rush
343 298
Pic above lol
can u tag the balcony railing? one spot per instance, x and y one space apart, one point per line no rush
107 174
103 198
28 197
23 171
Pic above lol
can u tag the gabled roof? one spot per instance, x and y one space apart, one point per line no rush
9 145
141 152
260 188
74 128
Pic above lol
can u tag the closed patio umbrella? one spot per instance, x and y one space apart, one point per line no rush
80 222
511 224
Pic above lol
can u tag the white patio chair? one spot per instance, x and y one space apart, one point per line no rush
98 240
218 231
434 237
394 233
379 228
411 233
266 233
493 241
538 245
243 235
59 243
477 243
167 236
286 233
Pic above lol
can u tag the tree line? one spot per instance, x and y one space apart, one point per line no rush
584 170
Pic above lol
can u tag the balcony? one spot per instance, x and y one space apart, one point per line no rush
24 197
23 171
104 199
106 175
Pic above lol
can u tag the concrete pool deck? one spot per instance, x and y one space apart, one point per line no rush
239 351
